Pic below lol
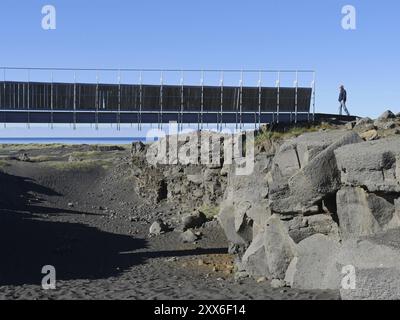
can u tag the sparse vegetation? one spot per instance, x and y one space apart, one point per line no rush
43 158
287 133
210 211
86 154
85 165
32 146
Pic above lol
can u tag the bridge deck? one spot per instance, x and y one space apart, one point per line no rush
134 117
23 116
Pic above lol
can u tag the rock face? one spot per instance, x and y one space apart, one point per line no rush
271 251
245 209
294 187
137 147
387 121
376 262
374 165
386 116
365 268
310 212
309 269
364 124
301 228
386 125
317 174
254 261
163 172
361 213
317 211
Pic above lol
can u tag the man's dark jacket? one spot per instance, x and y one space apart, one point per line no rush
343 95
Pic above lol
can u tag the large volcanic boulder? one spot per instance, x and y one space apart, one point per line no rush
244 209
302 227
317 175
271 251
376 264
374 165
364 125
310 268
364 268
362 213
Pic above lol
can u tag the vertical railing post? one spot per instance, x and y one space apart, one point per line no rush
182 98
45 104
74 114
313 96
241 100
198 112
51 101
29 81
97 102
161 100
278 86
14 104
18 96
119 102
140 99
260 99
296 85
40 95
4 89
236 106
221 101
202 100
4 96
13 96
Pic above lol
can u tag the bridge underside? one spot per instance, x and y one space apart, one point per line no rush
132 117
147 118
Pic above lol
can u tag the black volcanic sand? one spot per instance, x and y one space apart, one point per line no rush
84 218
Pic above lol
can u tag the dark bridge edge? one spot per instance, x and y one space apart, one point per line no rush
148 118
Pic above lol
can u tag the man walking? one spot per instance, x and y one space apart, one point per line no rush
343 100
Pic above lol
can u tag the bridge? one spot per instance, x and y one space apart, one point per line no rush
33 95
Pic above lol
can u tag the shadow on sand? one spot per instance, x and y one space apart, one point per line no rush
77 251
28 243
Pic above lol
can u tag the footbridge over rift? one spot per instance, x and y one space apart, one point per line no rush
157 96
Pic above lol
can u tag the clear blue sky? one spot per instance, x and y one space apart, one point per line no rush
254 34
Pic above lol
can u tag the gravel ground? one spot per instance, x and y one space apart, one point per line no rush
75 208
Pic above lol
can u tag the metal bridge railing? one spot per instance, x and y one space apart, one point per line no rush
123 90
